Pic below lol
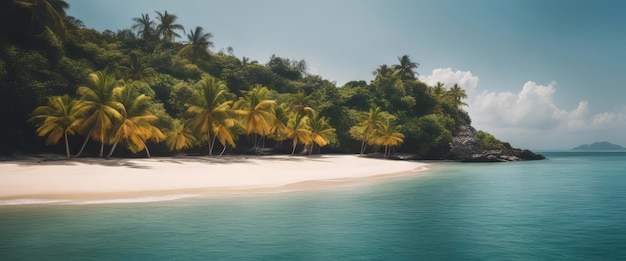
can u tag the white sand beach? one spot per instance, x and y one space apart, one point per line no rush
123 178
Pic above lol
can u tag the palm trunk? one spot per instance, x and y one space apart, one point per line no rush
311 151
254 142
84 143
101 149
112 149
222 153
147 150
363 143
295 142
259 140
67 145
386 148
210 142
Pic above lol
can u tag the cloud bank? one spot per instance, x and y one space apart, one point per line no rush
530 117
448 77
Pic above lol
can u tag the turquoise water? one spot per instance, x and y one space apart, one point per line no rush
569 207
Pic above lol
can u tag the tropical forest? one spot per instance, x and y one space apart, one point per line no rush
158 89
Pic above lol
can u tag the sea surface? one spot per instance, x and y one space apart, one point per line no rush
571 206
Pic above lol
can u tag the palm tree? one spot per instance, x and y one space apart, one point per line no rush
246 61
165 29
387 135
321 131
197 44
179 137
223 131
207 105
137 68
457 94
440 93
405 68
100 110
370 122
256 112
60 117
281 119
136 126
384 71
145 27
300 103
46 13
298 129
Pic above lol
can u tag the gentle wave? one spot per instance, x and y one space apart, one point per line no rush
32 201
134 200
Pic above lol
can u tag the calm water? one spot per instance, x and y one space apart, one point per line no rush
570 207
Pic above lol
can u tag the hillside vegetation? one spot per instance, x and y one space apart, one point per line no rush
157 88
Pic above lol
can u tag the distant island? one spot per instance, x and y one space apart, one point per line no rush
600 146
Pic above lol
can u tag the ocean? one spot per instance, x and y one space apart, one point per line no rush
571 206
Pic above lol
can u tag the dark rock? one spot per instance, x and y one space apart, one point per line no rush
466 147
529 155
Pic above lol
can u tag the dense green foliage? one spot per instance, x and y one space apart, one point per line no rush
490 142
145 87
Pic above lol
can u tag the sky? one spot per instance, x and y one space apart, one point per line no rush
540 74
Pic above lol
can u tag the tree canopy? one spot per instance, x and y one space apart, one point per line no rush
156 82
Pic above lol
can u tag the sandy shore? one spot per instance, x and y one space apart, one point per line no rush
125 178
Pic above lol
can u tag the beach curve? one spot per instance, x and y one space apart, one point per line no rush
156 179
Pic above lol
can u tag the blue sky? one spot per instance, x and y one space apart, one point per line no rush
540 74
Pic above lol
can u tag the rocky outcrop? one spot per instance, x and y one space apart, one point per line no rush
466 147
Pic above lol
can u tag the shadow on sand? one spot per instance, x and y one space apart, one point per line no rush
57 159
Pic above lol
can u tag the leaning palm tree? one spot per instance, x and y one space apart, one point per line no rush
145 27
405 68
146 131
59 118
167 26
298 130
137 123
388 135
206 106
256 112
179 137
100 110
224 132
370 122
197 44
321 131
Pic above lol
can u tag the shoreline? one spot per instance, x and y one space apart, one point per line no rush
161 179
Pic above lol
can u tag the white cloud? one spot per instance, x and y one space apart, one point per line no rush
530 117
465 79
610 119
531 108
